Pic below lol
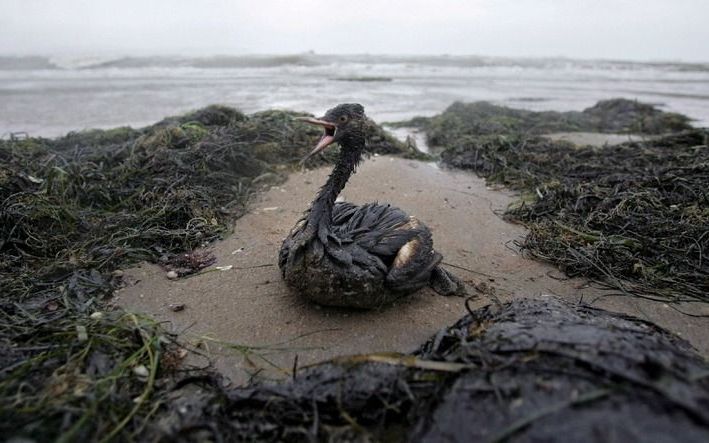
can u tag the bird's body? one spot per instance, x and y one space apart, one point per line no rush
341 254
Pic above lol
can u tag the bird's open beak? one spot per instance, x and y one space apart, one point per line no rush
326 140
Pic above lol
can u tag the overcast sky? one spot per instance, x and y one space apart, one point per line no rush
618 29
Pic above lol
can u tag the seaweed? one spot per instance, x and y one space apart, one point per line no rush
529 370
75 209
73 373
463 120
633 216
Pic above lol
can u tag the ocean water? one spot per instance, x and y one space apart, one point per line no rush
46 96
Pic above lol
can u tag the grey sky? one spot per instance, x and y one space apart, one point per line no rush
620 29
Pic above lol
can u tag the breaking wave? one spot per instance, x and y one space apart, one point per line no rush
311 59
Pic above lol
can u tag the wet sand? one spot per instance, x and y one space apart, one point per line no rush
249 304
595 138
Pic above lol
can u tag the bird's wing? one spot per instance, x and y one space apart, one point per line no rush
380 230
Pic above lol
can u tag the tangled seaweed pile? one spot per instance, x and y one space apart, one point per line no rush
73 210
634 215
461 120
525 371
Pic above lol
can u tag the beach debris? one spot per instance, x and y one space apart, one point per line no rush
177 307
224 268
77 208
631 215
141 371
626 214
34 180
173 359
112 198
462 121
524 371
188 263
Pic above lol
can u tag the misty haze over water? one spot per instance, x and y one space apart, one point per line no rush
51 96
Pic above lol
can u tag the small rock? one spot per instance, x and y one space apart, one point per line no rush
117 273
98 315
177 307
172 275
141 371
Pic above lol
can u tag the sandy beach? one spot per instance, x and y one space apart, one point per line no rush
141 269
155 156
249 305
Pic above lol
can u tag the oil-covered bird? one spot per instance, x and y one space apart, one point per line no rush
341 254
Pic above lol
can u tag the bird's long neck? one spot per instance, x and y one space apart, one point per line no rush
320 216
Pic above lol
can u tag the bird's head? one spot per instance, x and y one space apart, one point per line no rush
343 124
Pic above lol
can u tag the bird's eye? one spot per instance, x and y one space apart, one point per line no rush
342 119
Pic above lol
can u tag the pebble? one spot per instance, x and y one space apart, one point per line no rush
141 371
171 275
177 307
